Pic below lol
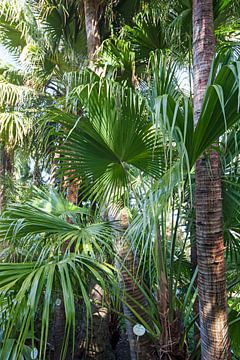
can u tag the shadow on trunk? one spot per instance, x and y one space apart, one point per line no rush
95 334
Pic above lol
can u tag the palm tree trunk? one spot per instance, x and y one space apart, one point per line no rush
2 177
209 229
72 192
91 8
58 329
193 256
143 347
36 172
172 327
95 335
6 173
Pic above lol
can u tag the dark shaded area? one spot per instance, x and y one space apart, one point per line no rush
122 351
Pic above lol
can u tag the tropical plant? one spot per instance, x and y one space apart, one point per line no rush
36 234
120 140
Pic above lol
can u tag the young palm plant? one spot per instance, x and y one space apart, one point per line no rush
35 233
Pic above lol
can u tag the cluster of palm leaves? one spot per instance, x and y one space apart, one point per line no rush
126 140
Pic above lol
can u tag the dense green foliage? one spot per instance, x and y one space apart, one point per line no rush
121 132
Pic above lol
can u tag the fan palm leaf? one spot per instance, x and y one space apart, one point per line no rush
33 287
110 140
40 228
47 223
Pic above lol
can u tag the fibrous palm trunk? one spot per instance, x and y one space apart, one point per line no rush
209 231
2 177
6 172
36 172
91 9
95 334
141 348
171 322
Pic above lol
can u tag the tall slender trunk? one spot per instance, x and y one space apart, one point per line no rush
209 229
141 348
6 173
95 334
2 177
193 256
58 329
36 172
91 9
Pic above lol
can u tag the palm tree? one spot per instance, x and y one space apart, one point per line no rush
209 216
43 276
116 112
106 164
90 150
16 121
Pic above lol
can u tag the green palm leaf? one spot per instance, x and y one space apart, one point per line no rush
14 127
116 136
47 222
33 286
13 95
220 111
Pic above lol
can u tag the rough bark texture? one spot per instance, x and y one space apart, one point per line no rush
142 348
91 8
2 177
58 329
203 50
210 247
72 192
193 269
71 187
95 344
6 172
36 173
209 231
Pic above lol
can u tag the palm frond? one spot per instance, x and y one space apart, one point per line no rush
34 286
147 34
110 141
49 224
14 127
12 94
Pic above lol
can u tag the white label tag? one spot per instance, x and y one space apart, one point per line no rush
139 330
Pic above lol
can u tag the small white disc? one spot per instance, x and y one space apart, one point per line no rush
58 302
139 330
